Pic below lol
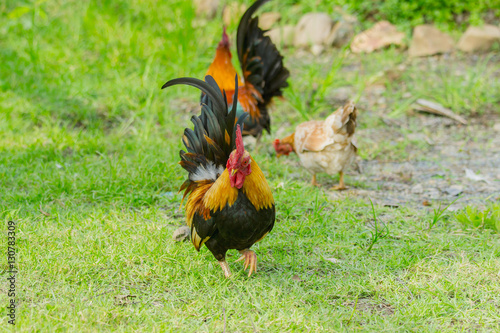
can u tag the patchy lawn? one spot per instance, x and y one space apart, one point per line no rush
89 173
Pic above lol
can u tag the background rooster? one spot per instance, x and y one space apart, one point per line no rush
324 146
230 204
264 75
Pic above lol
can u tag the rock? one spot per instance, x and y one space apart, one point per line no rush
432 193
381 35
282 35
232 13
417 189
454 190
207 8
343 31
427 40
479 38
267 20
313 29
496 127
181 234
317 49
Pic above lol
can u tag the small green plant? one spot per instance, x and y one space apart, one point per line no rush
439 214
472 217
377 233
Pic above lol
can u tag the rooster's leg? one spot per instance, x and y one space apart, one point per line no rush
250 260
225 268
313 181
341 185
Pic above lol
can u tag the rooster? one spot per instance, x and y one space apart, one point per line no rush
230 204
264 75
324 146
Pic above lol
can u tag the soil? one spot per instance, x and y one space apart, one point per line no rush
436 165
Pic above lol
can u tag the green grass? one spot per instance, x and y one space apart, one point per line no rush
88 170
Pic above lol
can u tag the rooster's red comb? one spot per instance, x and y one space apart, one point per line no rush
240 149
225 39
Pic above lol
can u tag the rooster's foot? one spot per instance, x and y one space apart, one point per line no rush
250 260
225 268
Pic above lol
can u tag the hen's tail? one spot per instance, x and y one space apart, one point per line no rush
343 121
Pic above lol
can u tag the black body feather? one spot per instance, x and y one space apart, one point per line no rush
236 227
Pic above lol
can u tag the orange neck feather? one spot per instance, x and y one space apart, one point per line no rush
223 72
255 188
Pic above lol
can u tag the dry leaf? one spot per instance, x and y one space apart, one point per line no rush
438 109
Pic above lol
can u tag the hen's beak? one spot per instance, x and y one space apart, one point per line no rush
234 171
278 154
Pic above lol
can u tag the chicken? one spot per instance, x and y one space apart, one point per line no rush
230 204
324 146
264 75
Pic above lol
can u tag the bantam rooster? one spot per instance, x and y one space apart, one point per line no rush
230 204
324 146
264 75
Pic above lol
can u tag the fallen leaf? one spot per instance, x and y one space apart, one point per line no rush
437 109
473 176
296 278
426 203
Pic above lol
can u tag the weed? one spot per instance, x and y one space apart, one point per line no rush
439 214
376 234
473 217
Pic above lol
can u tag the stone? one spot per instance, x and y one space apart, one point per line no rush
282 35
181 234
417 189
232 12
381 35
427 40
496 127
207 8
313 29
317 49
342 31
479 38
267 20
454 190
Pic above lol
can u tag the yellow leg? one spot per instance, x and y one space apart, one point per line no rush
225 268
341 185
250 260
313 181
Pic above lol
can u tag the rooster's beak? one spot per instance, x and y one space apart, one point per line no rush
278 154
234 171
